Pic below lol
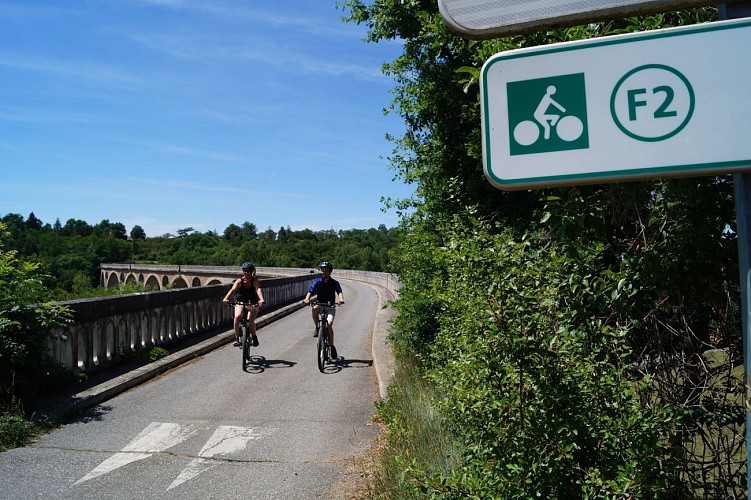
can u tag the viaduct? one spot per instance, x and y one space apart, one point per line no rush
162 277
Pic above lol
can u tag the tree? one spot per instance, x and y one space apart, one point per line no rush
109 229
76 227
182 233
33 223
26 325
137 233
269 234
249 231
233 234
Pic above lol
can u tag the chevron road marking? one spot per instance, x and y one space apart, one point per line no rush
227 439
158 437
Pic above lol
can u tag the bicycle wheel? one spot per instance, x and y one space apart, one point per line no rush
246 345
322 347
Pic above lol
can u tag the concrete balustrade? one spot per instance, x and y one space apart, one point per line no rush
108 330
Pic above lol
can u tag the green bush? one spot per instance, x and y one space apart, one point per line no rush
15 431
26 325
531 364
157 353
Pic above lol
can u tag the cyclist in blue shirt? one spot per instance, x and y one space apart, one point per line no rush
327 290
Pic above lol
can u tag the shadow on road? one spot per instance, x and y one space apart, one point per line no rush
341 363
259 364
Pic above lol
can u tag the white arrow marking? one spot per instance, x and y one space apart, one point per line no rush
156 437
227 439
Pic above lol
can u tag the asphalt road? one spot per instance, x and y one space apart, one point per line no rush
209 430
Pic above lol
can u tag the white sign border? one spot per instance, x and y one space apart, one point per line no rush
651 172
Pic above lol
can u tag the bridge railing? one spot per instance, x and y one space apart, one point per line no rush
108 330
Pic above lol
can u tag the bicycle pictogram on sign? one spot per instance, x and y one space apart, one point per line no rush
547 114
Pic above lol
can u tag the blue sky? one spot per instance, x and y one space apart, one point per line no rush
171 114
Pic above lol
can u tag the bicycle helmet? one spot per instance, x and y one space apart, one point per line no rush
326 263
248 267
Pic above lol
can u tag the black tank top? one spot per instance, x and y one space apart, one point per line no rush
247 291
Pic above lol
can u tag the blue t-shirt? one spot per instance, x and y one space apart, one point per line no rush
326 290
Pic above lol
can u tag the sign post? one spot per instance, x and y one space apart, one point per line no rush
742 184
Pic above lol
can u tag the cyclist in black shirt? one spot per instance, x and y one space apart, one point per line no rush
248 289
327 290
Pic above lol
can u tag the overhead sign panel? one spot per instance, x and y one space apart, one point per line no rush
493 18
663 103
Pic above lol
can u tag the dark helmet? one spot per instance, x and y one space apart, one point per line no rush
326 263
249 267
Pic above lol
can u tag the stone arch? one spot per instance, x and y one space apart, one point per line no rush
112 281
130 278
214 281
196 282
140 278
179 282
152 283
165 281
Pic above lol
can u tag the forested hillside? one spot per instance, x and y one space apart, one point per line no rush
71 253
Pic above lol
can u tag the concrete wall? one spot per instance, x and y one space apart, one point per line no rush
109 329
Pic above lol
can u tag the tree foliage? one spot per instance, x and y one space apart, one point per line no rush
71 257
567 330
26 325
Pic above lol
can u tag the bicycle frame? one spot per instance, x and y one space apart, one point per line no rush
323 349
245 331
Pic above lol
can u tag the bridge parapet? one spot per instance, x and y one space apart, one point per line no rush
108 330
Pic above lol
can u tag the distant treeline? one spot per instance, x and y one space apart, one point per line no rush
71 253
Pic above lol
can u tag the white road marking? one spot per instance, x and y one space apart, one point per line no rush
227 439
156 437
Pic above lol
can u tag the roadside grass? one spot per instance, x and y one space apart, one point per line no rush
17 431
417 444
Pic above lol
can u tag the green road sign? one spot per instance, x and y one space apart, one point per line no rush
671 102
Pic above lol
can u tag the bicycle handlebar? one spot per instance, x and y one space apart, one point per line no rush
244 304
314 302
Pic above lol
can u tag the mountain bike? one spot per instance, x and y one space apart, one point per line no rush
323 350
245 341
